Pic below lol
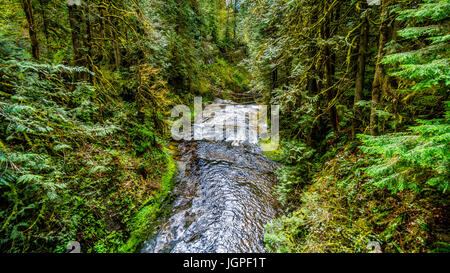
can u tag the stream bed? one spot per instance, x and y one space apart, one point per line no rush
223 197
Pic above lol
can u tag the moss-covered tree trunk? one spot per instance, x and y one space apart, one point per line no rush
360 71
75 21
377 84
28 9
329 59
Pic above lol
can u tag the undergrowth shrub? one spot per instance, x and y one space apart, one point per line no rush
297 168
413 160
342 210
74 159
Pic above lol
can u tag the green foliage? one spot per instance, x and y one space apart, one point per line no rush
305 56
342 211
227 78
83 123
147 219
427 66
298 160
68 169
435 10
410 161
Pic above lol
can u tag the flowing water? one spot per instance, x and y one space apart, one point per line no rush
224 197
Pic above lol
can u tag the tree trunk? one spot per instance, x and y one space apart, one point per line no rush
28 9
88 41
76 21
235 15
42 11
360 73
115 44
329 58
274 78
379 74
